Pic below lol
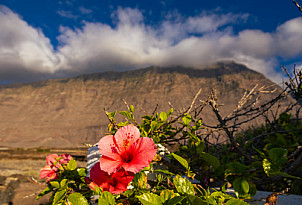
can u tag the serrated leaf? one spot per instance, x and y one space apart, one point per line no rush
72 165
44 192
150 199
181 160
55 184
59 196
210 160
163 116
77 199
183 185
106 198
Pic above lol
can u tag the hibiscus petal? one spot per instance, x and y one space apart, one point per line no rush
51 159
126 136
111 165
48 173
110 158
115 183
65 158
143 152
107 146
97 175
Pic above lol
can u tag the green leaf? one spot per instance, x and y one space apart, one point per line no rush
72 165
106 198
112 114
170 112
194 200
131 109
200 146
149 199
59 196
126 114
82 172
44 192
193 137
236 202
55 184
241 186
284 174
164 171
278 156
210 160
77 199
260 152
165 195
63 182
181 160
235 168
154 125
183 185
163 116
175 200
187 119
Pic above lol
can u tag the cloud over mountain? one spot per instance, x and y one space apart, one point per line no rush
26 54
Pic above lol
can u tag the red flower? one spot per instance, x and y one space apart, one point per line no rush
127 150
54 163
115 183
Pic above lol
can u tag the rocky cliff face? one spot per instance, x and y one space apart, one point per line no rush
69 112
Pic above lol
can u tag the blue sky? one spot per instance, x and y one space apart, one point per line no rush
41 39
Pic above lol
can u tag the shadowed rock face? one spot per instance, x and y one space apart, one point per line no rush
69 112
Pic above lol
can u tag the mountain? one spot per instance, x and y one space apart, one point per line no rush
70 112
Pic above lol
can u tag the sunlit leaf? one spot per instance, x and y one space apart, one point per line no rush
72 165
77 199
150 199
183 185
106 198
59 196
181 160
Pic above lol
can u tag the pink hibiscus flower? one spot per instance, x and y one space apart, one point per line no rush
54 163
115 183
127 150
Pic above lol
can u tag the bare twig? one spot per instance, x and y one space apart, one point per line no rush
296 3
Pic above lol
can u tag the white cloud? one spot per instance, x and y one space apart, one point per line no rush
67 14
130 44
23 48
84 10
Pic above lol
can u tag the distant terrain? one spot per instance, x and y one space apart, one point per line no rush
70 112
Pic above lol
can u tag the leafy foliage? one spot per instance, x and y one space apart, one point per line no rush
267 155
